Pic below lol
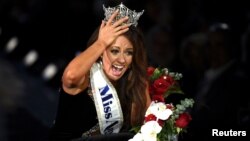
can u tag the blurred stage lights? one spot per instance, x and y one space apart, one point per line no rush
11 44
49 72
219 26
30 58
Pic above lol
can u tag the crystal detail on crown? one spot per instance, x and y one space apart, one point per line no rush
123 11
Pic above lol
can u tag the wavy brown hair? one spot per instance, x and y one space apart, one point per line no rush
132 86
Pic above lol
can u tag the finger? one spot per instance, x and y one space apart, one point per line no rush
112 17
102 24
120 21
122 27
122 31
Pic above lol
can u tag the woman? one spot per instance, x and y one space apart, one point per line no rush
104 89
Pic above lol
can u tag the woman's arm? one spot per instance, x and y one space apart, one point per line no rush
74 77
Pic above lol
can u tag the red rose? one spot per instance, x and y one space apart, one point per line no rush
161 122
160 86
158 98
183 120
170 106
150 117
168 79
150 71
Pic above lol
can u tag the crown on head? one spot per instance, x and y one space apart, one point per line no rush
133 16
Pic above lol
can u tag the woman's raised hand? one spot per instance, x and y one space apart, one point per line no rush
110 30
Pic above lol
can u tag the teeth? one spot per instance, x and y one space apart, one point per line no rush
119 67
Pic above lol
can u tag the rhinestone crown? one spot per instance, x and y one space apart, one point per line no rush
123 11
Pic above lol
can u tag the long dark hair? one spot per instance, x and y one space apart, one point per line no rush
132 86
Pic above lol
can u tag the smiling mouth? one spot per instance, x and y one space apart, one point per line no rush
117 69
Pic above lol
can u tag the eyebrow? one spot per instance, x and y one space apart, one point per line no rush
130 48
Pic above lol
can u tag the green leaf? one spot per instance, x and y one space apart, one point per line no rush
178 130
135 129
157 73
173 90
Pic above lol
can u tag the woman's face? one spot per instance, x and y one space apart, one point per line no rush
117 58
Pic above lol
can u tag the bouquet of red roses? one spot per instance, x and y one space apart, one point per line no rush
164 121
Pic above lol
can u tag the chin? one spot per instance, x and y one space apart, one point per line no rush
114 78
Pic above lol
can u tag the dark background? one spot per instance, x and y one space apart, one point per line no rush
58 29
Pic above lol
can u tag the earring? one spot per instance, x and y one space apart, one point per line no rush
100 60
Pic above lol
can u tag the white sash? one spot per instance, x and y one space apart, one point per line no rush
106 100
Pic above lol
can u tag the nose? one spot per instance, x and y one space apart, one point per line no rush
121 58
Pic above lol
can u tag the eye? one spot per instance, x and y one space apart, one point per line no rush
114 51
129 53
